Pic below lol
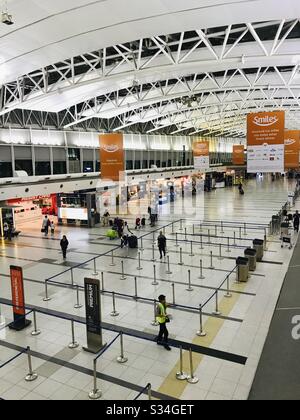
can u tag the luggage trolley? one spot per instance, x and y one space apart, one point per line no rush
286 235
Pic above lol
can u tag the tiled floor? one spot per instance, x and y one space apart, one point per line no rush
242 332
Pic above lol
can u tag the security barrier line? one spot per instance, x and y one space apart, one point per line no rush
212 326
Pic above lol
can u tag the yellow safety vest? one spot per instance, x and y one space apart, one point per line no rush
161 318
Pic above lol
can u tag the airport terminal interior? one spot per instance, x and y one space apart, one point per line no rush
149 200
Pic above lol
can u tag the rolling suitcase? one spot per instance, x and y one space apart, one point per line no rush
133 242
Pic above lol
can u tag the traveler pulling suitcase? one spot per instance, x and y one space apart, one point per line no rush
132 242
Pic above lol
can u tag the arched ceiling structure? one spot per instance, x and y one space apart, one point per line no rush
164 66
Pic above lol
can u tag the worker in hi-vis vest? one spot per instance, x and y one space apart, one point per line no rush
162 318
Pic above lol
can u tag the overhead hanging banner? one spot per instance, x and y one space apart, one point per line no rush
292 149
112 156
265 138
18 299
238 155
201 155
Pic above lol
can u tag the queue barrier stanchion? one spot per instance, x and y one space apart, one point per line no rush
122 359
181 225
217 311
168 264
201 230
135 289
228 294
190 288
77 304
95 394
31 376
73 344
193 229
173 294
95 273
201 242
176 242
192 379
153 254
172 233
222 228
201 332
180 257
234 239
181 375
185 234
139 268
155 282
245 229
142 246
46 298
154 323
216 230
153 238
35 331
228 245
102 281
240 232
114 312
112 264
123 277
72 276
208 236
192 252
201 277
211 261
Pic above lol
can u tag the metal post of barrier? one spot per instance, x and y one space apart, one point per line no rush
35 331
72 276
122 359
228 245
228 294
173 293
153 254
201 277
46 298
265 241
222 228
189 289
73 344
208 234
201 230
114 312
216 230
245 229
192 379
139 268
102 281
216 311
77 305
153 238
181 225
192 252
142 247
155 282
211 261
240 232
193 229
135 289
32 376
220 252
154 322
164 230
180 257
149 392
123 277
95 273
201 332
185 234
201 242
172 233
96 393
169 268
234 239
176 243
181 375
112 259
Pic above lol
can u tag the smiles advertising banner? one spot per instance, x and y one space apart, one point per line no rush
238 155
265 138
292 149
201 155
112 156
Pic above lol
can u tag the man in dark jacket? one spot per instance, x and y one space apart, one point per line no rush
296 218
162 245
64 243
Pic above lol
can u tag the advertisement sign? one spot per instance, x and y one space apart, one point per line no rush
201 155
265 128
72 213
93 315
238 155
18 299
292 148
265 159
112 156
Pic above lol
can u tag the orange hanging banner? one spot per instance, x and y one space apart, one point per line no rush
266 128
112 156
238 155
292 148
201 155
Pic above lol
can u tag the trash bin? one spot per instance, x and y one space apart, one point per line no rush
258 245
242 269
275 223
250 253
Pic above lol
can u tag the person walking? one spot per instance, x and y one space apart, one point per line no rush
296 218
106 217
162 318
45 226
52 228
64 243
5 230
162 245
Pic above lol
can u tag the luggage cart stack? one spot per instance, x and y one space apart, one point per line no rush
286 235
